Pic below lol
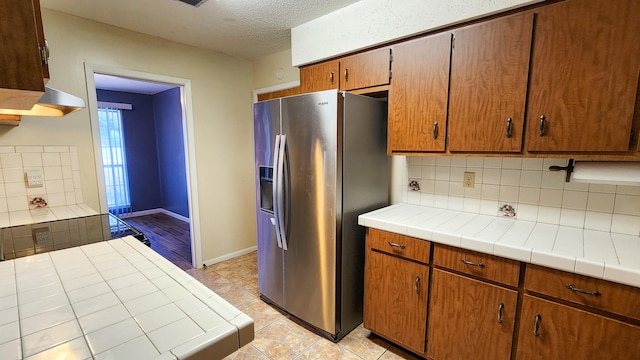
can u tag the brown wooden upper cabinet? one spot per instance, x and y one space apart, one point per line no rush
368 69
488 85
364 70
418 95
322 76
23 66
279 94
584 76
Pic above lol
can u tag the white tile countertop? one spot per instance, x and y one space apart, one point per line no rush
17 218
604 255
115 299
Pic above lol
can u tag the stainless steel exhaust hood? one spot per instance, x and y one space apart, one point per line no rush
53 103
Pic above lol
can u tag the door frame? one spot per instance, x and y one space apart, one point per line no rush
187 132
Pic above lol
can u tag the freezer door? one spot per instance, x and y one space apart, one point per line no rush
310 123
266 117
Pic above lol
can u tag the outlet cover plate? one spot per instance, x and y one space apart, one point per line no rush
469 180
35 178
41 235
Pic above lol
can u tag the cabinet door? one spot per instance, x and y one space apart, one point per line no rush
489 71
584 76
279 94
371 68
395 300
42 42
319 77
418 94
469 319
21 78
563 332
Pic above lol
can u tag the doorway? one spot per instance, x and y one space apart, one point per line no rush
161 180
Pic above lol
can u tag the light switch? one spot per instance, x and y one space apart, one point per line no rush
34 178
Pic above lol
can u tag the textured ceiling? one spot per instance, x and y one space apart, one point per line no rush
249 29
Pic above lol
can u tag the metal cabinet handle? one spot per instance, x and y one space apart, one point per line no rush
509 121
500 308
331 77
536 325
574 289
542 120
346 74
401 246
467 262
435 130
417 284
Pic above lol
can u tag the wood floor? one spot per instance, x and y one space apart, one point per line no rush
170 237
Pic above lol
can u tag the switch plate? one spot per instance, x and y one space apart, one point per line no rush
34 178
469 180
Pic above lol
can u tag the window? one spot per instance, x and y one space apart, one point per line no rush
114 160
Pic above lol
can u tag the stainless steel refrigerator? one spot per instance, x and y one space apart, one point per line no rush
320 161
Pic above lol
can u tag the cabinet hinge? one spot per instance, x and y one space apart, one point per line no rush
44 52
390 74
390 55
453 42
43 55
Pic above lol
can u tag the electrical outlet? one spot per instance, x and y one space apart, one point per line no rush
41 235
469 180
34 178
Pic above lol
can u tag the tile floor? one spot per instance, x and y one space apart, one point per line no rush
276 336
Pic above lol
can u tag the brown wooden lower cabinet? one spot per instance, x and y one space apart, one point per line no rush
457 315
469 319
549 330
395 304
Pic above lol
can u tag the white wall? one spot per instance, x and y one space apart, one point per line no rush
274 69
372 22
222 96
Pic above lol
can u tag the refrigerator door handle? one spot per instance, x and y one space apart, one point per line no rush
276 179
280 201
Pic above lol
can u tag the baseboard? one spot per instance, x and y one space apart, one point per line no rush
155 211
230 256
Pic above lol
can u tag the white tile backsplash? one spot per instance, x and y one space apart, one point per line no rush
509 194
10 160
627 205
600 202
537 193
59 165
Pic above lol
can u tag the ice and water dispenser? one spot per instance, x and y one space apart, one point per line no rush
266 188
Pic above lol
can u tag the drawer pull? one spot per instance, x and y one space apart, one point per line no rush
500 308
574 289
396 245
508 134
417 284
536 325
467 262
435 130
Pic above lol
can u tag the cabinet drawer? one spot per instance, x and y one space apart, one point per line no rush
612 297
474 263
407 247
